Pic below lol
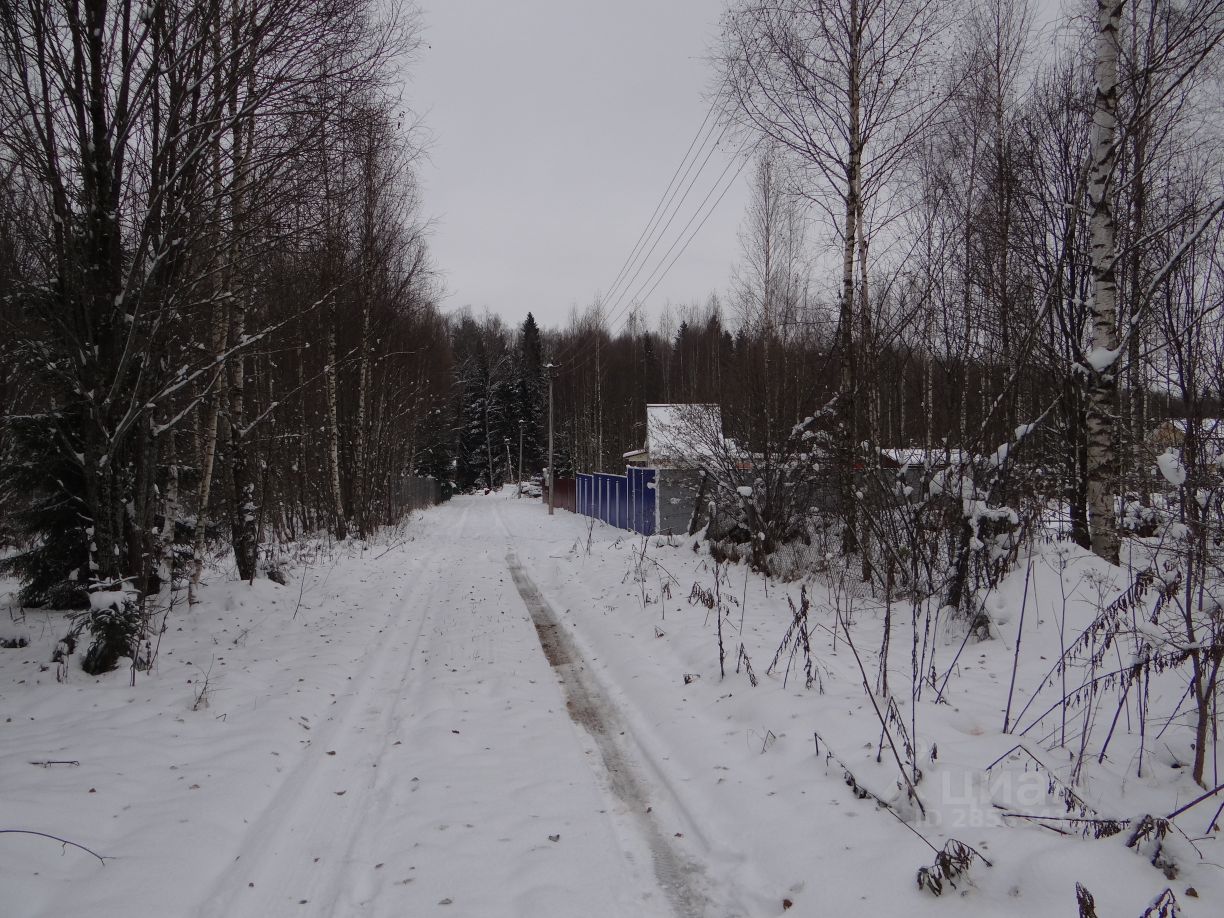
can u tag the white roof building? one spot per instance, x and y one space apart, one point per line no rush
917 457
681 436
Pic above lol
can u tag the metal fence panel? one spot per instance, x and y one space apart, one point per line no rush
641 500
414 492
635 499
650 496
567 494
609 505
628 501
634 522
605 499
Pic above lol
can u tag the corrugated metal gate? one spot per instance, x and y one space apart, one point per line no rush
566 498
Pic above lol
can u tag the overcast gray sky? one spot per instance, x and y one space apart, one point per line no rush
556 126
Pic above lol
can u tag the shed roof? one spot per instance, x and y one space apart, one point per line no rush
917 456
683 432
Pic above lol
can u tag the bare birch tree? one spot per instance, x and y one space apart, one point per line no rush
844 86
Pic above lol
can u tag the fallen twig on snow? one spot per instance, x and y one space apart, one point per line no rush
62 841
863 793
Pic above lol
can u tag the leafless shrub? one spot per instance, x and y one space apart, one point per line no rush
950 863
797 642
203 691
1163 906
1083 898
742 658
714 602
1147 837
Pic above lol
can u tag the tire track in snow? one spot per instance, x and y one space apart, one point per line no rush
326 802
678 877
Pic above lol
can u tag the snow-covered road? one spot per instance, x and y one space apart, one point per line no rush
387 737
678 876
494 712
451 775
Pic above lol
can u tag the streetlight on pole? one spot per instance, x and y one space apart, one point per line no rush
509 465
520 467
552 473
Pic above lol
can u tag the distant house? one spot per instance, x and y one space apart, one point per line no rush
681 436
1172 432
914 466
683 443
915 457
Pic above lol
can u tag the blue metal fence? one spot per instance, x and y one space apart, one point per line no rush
625 501
641 500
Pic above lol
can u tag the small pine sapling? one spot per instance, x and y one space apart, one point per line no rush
116 630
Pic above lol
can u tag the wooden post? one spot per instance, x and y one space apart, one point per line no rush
552 471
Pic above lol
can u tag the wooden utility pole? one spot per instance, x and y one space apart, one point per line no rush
552 472
520 465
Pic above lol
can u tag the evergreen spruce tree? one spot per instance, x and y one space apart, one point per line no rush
435 453
45 497
502 421
530 399
472 457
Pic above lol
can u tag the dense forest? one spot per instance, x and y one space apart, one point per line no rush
223 329
218 304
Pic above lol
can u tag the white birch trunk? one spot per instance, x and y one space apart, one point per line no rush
333 433
359 432
846 401
208 451
1101 379
244 508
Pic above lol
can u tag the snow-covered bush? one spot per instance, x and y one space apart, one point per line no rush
763 490
116 622
945 524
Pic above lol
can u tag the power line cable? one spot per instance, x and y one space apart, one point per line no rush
655 233
637 297
640 255
668 192
620 305
575 363
640 296
670 220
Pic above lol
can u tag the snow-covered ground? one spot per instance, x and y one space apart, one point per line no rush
517 715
